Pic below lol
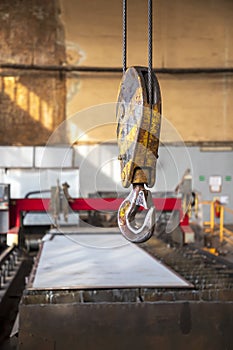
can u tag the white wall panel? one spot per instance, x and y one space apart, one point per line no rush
53 157
16 157
24 181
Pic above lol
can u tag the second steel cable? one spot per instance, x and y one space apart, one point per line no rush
124 36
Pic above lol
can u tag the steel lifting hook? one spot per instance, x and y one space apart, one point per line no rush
138 197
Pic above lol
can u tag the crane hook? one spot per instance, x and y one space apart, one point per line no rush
138 197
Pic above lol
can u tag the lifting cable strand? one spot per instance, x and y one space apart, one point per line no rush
150 46
124 34
150 52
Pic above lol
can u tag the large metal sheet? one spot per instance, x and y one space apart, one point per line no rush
99 261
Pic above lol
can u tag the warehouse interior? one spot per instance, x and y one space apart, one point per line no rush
116 174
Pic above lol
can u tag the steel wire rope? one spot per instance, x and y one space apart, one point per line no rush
150 52
150 45
124 36
150 68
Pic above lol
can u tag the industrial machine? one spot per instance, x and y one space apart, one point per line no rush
21 207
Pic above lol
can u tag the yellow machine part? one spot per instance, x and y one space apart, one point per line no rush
138 128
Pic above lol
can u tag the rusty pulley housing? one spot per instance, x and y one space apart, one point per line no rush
138 127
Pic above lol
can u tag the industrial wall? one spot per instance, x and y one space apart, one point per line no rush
187 34
42 40
32 101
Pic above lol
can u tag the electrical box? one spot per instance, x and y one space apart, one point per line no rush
4 207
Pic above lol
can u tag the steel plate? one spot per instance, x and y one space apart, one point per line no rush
99 261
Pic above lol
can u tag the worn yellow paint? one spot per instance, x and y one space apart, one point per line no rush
145 153
129 139
138 130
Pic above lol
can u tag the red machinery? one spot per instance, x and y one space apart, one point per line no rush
26 205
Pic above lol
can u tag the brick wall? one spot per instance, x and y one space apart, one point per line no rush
32 103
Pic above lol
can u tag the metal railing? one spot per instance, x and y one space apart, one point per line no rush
218 228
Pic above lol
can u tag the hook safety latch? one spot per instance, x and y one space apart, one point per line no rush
138 197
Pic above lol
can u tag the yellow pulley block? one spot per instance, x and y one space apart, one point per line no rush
138 130
138 127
